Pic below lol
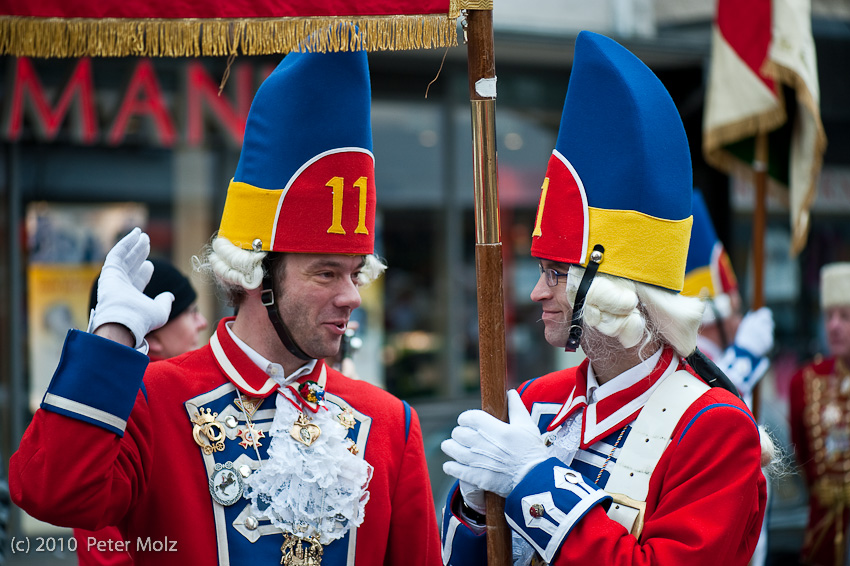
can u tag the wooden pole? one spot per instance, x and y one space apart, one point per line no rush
488 254
759 224
759 219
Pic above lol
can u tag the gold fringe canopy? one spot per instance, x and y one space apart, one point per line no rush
114 37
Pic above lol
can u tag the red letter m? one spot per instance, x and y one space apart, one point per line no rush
48 120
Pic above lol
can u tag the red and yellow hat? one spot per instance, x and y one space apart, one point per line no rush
620 175
305 181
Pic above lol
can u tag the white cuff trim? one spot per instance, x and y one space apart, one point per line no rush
85 410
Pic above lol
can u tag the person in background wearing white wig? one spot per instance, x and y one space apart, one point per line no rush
643 454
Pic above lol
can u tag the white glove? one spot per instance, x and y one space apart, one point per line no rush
120 297
755 333
473 496
491 454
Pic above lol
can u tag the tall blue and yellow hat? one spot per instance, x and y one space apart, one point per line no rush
708 273
620 176
305 181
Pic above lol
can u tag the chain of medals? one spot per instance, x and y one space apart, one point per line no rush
298 549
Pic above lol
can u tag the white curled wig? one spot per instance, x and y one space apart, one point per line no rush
236 270
373 268
635 313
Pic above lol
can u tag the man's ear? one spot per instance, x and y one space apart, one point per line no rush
155 346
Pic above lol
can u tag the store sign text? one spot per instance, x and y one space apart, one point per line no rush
143 99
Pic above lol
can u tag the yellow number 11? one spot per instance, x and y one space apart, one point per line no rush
337 184
545 189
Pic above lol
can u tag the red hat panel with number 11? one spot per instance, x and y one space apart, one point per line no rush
306 175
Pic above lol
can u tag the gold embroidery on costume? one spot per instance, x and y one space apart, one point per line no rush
301 552
827 421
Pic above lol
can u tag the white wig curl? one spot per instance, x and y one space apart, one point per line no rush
633 312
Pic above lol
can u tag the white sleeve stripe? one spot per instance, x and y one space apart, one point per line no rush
85 410
454 523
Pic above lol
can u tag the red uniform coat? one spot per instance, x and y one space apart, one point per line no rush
706 499
813 432
76 467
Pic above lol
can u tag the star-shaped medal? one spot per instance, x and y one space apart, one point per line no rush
249 436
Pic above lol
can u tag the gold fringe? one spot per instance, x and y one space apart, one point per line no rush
475 4
715 138
80 37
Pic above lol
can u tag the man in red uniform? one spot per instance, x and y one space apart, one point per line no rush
630 458
250 449
820 427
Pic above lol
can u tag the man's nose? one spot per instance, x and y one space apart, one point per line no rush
349 295
541 290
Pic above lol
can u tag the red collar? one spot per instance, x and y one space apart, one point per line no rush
243 372
621 404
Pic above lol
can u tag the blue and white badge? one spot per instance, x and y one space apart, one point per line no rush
226 484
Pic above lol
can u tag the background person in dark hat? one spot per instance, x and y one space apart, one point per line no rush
180 334
182 331
251 449
632 457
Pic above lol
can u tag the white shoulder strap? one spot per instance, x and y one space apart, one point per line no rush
647 440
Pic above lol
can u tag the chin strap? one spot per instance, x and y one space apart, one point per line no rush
709 371
274 314
589 273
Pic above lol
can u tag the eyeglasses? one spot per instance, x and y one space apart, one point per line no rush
553 276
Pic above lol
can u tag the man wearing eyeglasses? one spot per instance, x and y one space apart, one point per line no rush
643 454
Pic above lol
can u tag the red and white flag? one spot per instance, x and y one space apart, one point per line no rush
757 47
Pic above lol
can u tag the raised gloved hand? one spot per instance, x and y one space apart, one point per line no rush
755 333
491 454
120 296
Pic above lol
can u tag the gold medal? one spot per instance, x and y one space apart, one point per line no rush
304 431
301 552
207 432
354 448
346 418
248 404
